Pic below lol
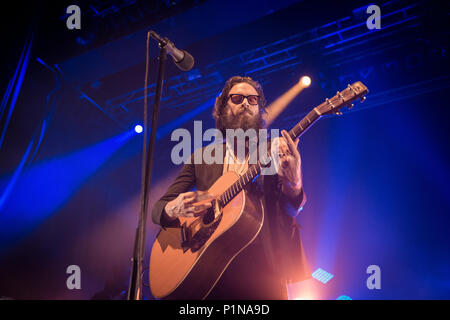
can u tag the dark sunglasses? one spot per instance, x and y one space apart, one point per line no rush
239 98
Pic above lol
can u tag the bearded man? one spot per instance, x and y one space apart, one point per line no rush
275 257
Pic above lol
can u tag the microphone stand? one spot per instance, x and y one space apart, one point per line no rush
135 285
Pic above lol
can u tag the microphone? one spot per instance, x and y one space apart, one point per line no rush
182 58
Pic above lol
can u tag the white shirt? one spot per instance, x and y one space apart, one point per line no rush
233 163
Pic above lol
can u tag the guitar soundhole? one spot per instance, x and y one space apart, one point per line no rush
200 237
195 241
209 216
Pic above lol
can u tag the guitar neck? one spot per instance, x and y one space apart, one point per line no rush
250 175
304 124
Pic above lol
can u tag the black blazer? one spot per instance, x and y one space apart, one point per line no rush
280 234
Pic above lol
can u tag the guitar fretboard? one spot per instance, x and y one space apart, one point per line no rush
250 174
304 124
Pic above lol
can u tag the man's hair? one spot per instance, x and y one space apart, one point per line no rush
222 99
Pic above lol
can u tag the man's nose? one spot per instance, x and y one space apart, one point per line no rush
246 107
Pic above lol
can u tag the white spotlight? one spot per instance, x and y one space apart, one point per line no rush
138 128
305 81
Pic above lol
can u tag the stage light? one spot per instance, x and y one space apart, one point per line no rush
344 298
322 276
305 81
306 296
138 128
308 291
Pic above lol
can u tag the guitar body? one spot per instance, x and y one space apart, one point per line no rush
190 271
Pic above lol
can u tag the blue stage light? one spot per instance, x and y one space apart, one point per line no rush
138 128
36 192
344 298
322 276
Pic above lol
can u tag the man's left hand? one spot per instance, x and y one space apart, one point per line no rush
289 165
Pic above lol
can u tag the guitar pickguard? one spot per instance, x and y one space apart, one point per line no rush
206 225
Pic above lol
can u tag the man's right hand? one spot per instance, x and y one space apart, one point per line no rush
183 205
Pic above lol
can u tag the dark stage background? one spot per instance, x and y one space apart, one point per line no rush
376 178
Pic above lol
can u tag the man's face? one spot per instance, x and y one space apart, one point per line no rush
242 115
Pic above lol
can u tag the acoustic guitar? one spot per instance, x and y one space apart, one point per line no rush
187 262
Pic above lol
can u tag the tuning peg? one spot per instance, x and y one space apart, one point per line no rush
362 99
351 106
338 113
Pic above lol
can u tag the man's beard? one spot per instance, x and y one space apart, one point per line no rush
244 120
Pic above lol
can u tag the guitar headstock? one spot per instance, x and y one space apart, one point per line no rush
344 98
